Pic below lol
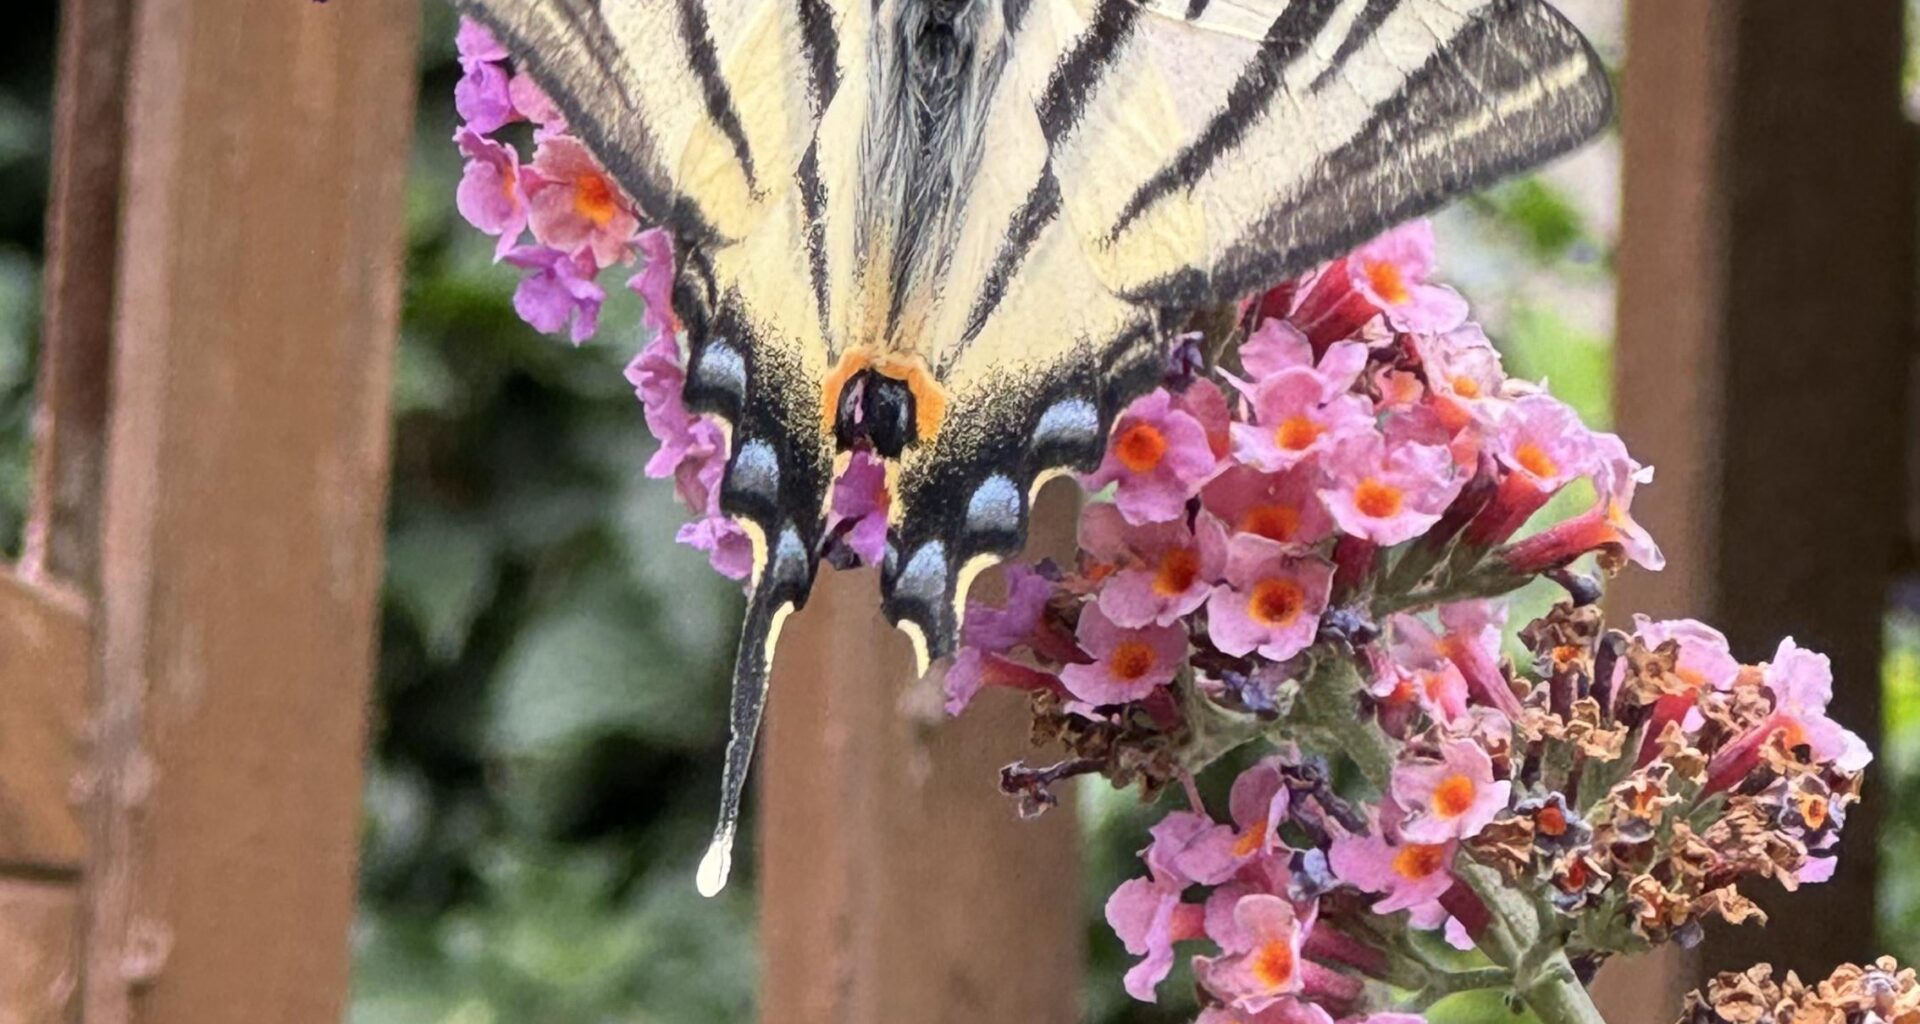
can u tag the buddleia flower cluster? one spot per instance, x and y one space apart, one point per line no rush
1305 548
1296 557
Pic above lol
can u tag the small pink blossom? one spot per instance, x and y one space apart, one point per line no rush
1801 682
1194 849
1284 508
1158 457
654 282
489 193
988 633
1129 663
575 205
1386 276
1164 571
1258 802
533 103
860 497
1408 875
1608 524
1271 969
1147 915
1298 416
1269 604
559 291
726 545
1452 799
1463 371
481 96
1389 495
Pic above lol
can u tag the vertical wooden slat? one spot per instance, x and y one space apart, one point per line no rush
897 884
83 229
46 656
245 486
1767 270
39 929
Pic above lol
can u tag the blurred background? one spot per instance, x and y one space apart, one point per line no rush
550 717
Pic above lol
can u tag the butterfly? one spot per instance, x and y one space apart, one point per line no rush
961 233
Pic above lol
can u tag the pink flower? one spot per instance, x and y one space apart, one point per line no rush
1386 276
1801 682
481 97
560 291
988 633
1409 875
1258 803
1298 415
1542 446
1388 495
1271 603
1207 404
860 496
533 103
1159 456
726 545
1283 508
1287 1011
1147 915
575 205
1452 799
1129 663
1608 524
1271 969
1706 660
1463 371
1194 849
1165 571
654 282
489 193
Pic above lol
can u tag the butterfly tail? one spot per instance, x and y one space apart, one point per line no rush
767 610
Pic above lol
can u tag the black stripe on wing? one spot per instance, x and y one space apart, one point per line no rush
697 37
1079 72
1358 35
1289 38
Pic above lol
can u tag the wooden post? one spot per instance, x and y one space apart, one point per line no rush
244 495
1766 315
897 884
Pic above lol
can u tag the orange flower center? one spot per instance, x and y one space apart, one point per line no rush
1466 387
1577 875
1434 683
1274 522
1378 500
1551 821
1298 433
1273 964
1792 734
1179 570
1141 447
1416 861
1535 460
1251 839
1388 282
1813 809
1402 692
594 199
1453 796
1132 660
1276 602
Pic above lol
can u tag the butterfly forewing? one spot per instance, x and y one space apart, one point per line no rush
1089 172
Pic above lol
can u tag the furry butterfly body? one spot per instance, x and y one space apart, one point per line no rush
960 232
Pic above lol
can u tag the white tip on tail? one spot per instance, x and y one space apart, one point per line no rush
716 866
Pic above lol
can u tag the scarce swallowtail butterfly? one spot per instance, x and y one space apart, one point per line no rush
962 231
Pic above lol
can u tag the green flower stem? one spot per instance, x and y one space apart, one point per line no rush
1542 974
1445 983
1327 721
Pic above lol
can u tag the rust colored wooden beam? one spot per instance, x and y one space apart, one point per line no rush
76 340
897 883
1767 273
245 487
45 659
